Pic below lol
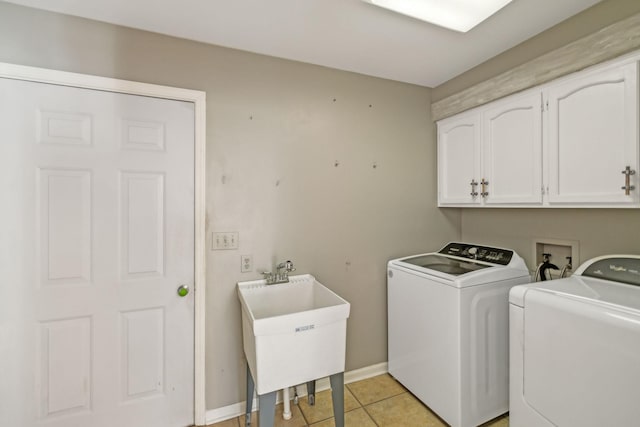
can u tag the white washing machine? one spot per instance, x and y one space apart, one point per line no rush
448 319
575 347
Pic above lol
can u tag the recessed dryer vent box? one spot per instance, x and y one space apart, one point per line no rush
559 251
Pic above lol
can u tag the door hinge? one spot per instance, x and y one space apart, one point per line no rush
545 105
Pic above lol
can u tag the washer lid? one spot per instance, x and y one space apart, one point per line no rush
466 264
443 264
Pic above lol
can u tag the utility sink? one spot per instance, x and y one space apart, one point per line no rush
292 332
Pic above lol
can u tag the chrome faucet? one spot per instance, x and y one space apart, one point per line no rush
568 267
281 275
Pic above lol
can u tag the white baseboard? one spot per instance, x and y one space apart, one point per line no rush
237 409
366 372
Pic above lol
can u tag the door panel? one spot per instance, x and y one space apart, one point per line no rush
64 375
98 233
65 226
458 159
142 343
57 127
142 224
512 150
592 137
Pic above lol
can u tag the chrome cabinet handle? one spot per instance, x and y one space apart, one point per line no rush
183 291
473 184
484 192
627 172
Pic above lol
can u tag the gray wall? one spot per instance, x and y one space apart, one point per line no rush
598 231
274 131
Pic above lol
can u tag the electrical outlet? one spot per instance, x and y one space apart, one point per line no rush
224 240
246 263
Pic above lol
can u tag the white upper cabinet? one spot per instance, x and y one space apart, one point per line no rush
571 143
592 138
493 155
459 159
512 150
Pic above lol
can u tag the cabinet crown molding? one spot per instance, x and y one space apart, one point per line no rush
608 43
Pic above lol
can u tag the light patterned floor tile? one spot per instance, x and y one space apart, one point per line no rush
375 389
388 404
403 410
356 418
323 409
502 421
227 423
297 420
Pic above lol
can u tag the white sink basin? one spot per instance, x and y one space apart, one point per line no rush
292 332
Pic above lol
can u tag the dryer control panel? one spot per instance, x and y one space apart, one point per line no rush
616 268
480 253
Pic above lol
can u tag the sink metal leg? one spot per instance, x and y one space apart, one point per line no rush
311 392
250 388
267 412
266 404
337 396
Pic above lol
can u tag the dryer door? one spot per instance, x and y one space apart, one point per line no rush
581 360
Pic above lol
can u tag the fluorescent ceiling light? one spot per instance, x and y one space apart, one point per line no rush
458 15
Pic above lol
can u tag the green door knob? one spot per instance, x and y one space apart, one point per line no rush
183 290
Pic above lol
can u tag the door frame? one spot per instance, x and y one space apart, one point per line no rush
85 81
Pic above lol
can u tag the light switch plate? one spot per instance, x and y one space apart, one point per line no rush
222 240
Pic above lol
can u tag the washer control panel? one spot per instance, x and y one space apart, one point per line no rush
480 253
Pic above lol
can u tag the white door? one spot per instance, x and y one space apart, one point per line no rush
512 150
97 232
459 160
592 137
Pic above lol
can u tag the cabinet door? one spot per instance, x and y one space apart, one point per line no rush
512 150
592 136
458 159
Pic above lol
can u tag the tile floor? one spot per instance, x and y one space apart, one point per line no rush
375 402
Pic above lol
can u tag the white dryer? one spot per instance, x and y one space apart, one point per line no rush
575 347
448 319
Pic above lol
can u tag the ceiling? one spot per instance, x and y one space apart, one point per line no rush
345 34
